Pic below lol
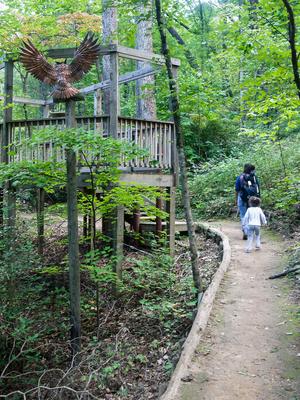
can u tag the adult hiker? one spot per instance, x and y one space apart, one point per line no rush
246 185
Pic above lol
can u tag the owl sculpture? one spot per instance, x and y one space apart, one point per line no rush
61 75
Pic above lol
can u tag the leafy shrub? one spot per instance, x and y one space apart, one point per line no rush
277 165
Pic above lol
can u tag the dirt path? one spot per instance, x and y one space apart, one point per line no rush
249 350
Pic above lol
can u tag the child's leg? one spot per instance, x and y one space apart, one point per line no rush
250 233
257 235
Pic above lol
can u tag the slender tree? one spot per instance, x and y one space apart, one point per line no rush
292 41
175 108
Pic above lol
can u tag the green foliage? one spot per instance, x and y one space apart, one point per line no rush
100 273
208 139
17 253
18 258
154 281
48 175
277 166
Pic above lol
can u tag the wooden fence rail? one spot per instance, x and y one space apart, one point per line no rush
156 137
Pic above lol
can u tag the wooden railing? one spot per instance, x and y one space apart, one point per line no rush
156 137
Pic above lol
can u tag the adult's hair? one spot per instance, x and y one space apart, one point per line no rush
248 168
254 201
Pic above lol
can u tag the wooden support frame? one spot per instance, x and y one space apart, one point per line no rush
26 100
121 51
125 52
129 77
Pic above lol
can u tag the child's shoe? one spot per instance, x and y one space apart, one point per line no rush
257 247
247 251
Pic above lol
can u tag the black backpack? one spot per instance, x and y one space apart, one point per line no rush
249 187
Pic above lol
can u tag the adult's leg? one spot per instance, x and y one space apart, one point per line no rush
242 209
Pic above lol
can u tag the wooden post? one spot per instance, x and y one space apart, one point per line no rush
118 214
85 225
74 266
118 239
10 233
7 117
46 111
114 101
158 221
97 102
7 193
107 227
171 219
10 209
40 218
7 114
136 219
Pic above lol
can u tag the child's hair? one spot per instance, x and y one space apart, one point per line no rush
254 201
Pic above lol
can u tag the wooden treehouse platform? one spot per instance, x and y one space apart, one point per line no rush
157 137
158 168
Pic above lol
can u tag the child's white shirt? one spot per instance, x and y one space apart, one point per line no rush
255 216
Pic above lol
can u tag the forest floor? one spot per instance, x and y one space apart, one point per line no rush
130 341
251 349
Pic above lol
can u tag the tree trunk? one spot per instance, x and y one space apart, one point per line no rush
146 105
189 56
180 148
110 25
292 41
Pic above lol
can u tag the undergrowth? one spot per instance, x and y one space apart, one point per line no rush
130 342
277 167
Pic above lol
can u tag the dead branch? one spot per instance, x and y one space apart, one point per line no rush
284 273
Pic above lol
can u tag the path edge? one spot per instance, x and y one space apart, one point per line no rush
202 316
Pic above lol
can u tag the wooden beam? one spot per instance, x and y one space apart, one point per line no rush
26 100
132 178
125 52
128 77
61 53
70 52
159 180
141 55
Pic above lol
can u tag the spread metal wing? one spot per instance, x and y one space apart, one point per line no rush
85 56
36 64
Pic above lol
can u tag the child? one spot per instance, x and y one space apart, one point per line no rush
253 219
